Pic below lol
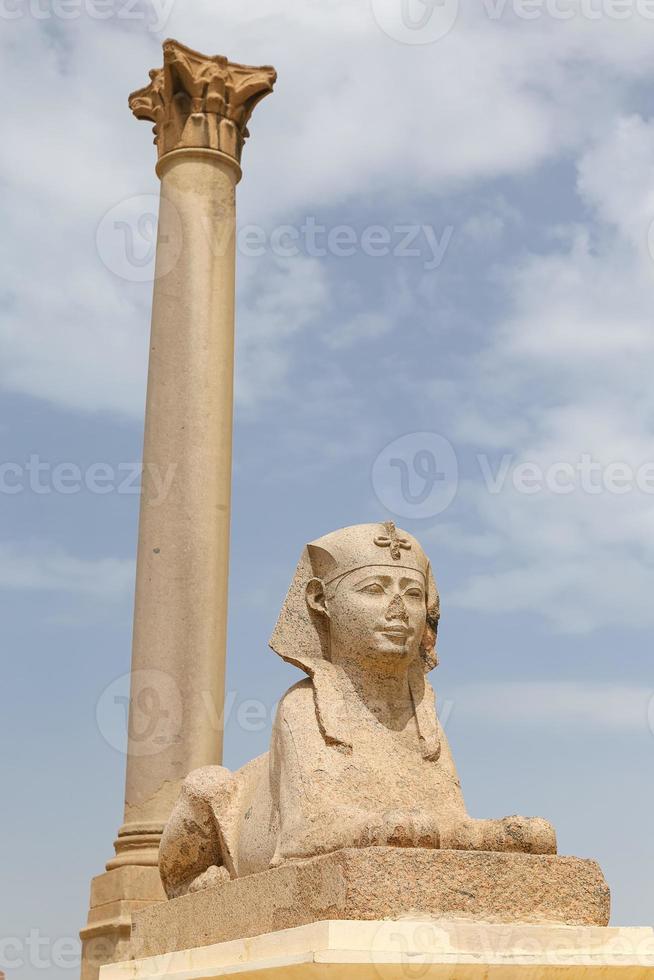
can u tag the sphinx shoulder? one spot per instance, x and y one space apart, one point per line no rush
296 721
296 703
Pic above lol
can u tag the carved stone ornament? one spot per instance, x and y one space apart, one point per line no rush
201 101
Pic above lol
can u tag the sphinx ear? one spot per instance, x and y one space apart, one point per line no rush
428 642
315 594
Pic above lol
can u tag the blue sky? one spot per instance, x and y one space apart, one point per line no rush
502 368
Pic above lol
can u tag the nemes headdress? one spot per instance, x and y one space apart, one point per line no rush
301 636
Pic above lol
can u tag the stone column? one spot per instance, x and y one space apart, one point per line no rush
200 107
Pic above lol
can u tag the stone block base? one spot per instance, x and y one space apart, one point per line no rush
411 950
115 895
380 883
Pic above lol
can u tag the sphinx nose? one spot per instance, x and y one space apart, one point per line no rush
397 609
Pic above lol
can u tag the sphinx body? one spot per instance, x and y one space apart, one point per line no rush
358 757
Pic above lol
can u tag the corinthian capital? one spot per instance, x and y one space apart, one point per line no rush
201 101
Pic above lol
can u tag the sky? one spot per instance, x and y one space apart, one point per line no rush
444 317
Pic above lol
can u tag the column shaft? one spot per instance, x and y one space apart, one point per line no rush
180 616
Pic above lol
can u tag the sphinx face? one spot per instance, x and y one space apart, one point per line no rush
378 614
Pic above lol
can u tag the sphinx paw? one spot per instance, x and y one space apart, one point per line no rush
530 835
215 875
410 828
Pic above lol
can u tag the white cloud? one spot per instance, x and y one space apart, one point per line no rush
279 300
487 225
70 332
561 705
360 327
615 179
355 116
580 336
354 113
39 566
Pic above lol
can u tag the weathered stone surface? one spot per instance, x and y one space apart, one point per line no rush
358 756
115 895
380 883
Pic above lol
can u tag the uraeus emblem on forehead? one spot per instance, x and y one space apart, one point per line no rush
391 540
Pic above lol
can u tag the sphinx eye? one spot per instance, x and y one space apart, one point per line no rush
374 588
415 593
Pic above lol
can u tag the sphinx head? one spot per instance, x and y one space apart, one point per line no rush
363 594
370 590
366 590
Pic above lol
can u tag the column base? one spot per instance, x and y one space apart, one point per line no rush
428 949
115 895
137 844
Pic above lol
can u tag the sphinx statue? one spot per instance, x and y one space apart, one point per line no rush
358 757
